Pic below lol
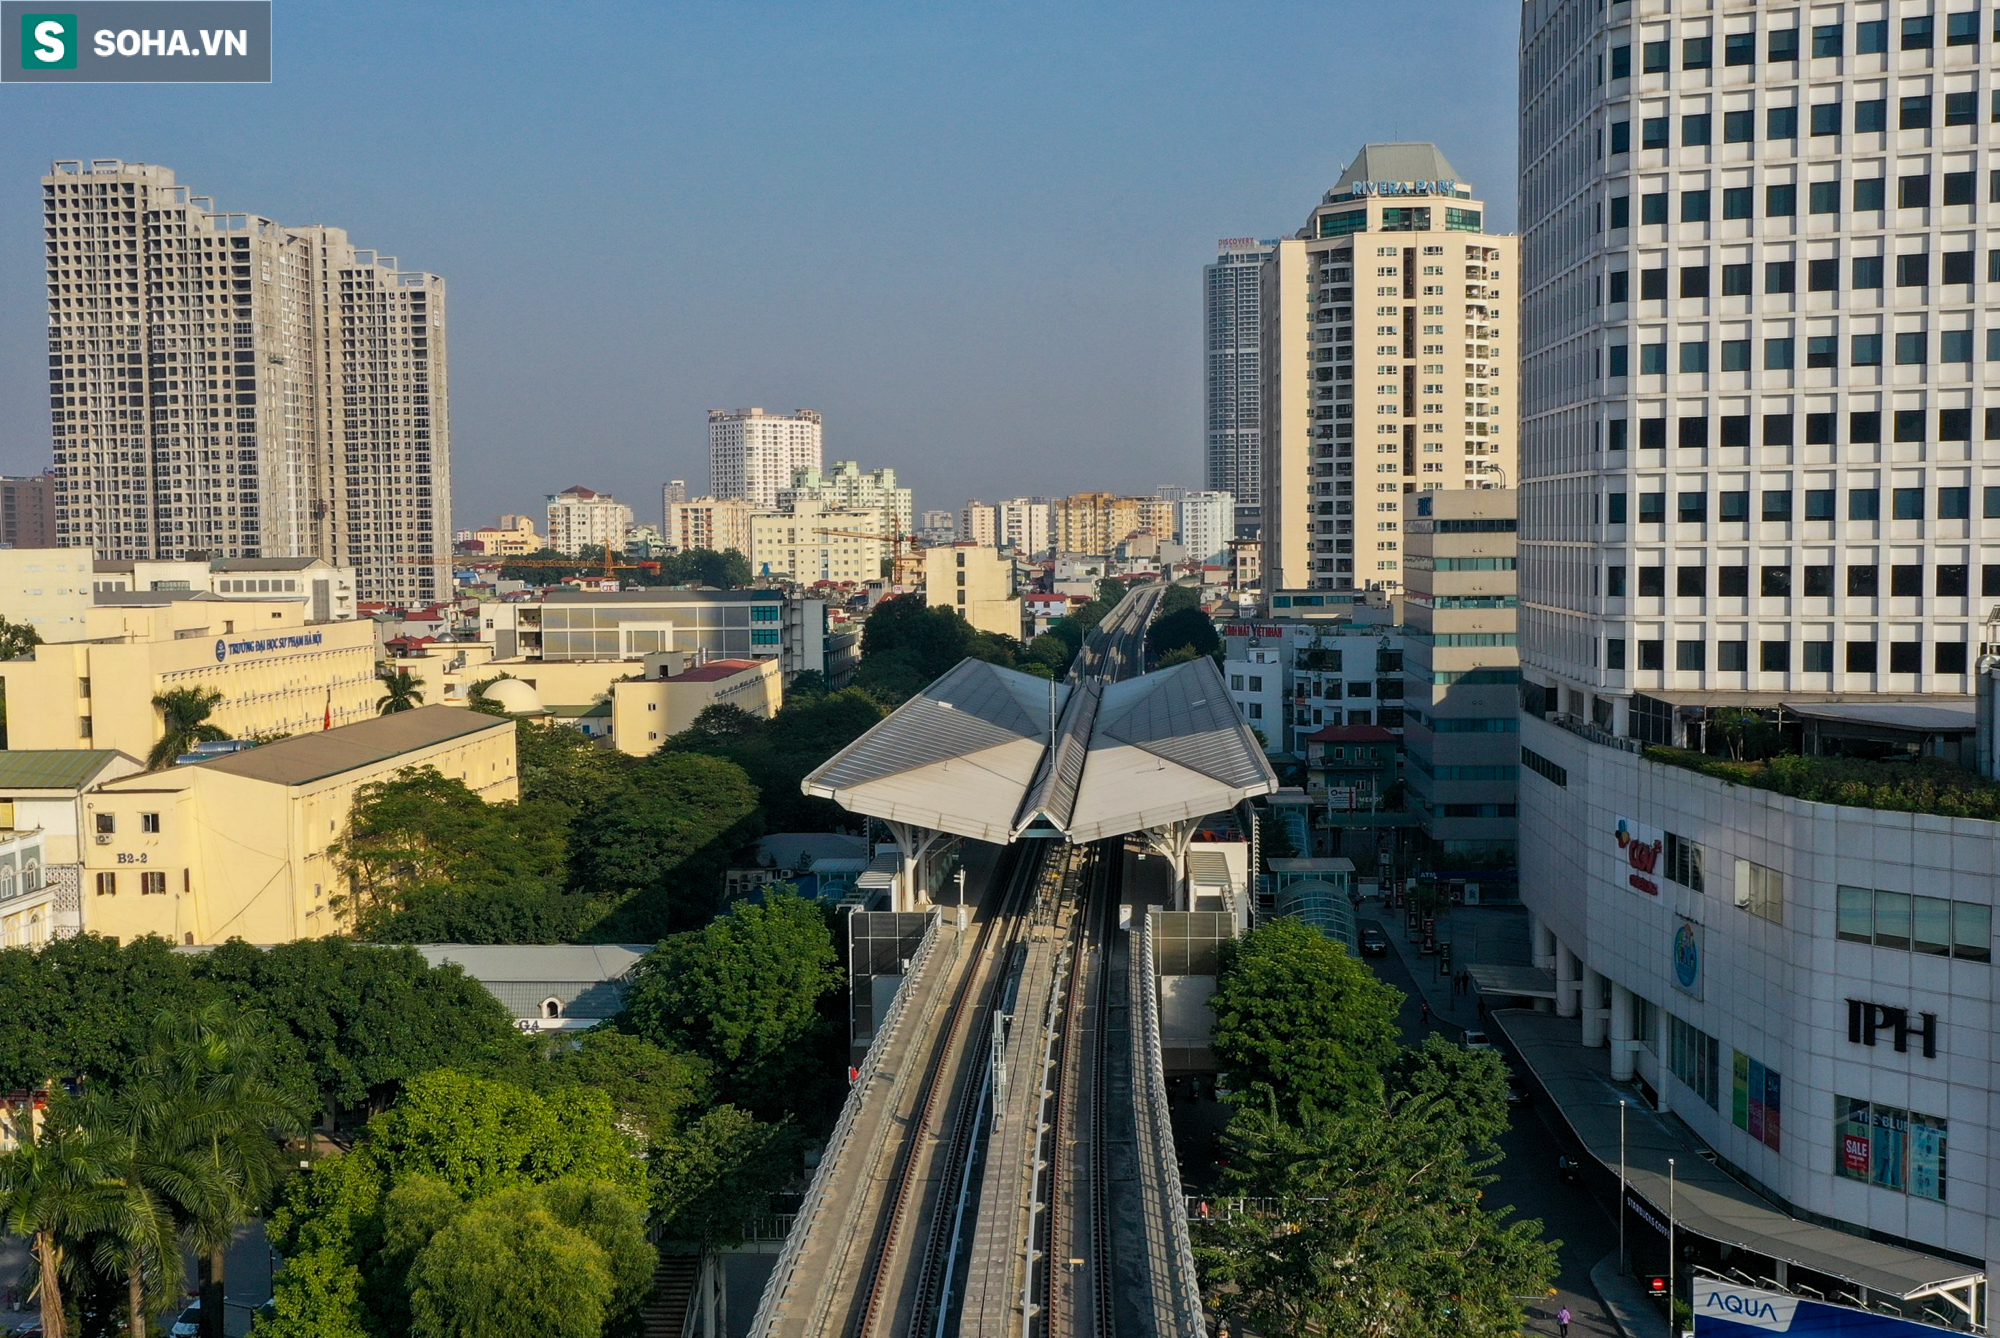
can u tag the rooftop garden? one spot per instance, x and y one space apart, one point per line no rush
1913 785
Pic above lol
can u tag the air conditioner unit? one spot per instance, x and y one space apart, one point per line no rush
103 839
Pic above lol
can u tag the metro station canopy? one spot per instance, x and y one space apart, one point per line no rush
992 754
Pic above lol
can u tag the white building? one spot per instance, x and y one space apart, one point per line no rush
1027 525
671 493
1750 403
1232 324
752 454
580 518
809 542
979 523
1204 523
224 384
847 488
720 524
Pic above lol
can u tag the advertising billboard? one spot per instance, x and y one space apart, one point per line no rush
1725 1310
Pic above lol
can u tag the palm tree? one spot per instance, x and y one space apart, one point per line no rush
185 712
204 1105
405 692
138 1238
54 1191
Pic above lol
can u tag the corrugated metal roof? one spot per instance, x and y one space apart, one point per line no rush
1184 716
973 707
588 980
52 768
304 758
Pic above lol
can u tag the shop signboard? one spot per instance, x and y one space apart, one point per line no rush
1639 848
1685 958
1726 1309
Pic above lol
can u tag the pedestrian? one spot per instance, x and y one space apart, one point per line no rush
1202 1211
1562 1322
1424 1013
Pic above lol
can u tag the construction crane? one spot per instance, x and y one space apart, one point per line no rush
903 558
611 565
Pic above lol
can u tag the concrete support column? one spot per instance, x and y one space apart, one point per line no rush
1660 1049
1593 1011
1566 965
1541 942
1623 1042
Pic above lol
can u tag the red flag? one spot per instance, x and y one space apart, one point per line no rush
328 724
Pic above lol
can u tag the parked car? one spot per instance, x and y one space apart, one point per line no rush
1518 1093
188 1323
1476 1040
1374 943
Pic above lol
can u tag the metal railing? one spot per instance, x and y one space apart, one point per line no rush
1187 1288
779 1282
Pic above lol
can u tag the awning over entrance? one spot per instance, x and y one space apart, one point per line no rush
1706 1200
1500 980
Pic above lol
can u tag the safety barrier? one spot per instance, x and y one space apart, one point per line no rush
1187 1282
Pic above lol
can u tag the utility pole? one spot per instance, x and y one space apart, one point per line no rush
1673 1319
1621 1186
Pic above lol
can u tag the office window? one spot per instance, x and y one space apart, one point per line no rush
1914 112
1693 507
1822 351
1819 581
1652 582
1652 508
1910 346
1957 267
1917 33
1693 1059
1614 435
1860 657
1906 657
1775 582
1621 211
1956 346
1652 285
1652 359
1619 288
1962 29
1781 202
1780 276
1781 123
1774 657
1617 360
1782 45
1864 580
1694 357
1913 271
1777 504
1906 580
1621 62
1954 580
1817 657
1691 582
1614 652
1694 281
1653 208
1826 118
1827 40
1694 206
1732 582
1954 503
1736 358
1870 194
1961 109
1738 202
1864 425
1778 355
1971 932
1907 503
1864 503
1739 49
1732 657
1736 281
1695 129
1870 38
1653 133
1734 504
1652 434
1913 191
1691 655
1819 429
1819 504
1739 127
1654 57
1652 654
1865 350
1989 505
1614 581
1681 862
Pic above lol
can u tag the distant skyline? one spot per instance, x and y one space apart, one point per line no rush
973 240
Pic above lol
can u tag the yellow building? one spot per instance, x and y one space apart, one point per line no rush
238 846
645 712
721 524
1096 522
514 536
277 673
976 581
809 542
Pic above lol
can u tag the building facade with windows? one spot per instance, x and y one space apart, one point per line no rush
1389 366
224 384
847 487
27 512
977 582
581 518
752 454
1204 524
1026 525
809 541
720 524
1232 324
1757 489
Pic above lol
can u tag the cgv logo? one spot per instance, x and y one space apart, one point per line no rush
48 41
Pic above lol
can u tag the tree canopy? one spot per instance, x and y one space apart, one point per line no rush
777 753
653 850
906 644
1187 628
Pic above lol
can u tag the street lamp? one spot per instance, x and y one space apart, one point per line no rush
1621 1186
1673 1321
961 896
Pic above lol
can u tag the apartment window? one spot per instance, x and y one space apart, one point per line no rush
1691 655
1860 657
1917 33
1865 350
1827 40
1954 503
1695 129
1826 118
1817 657
107 884
149 822
1864 580
1910 347
1691 582
1652 654
1870 195
1733 581
152 884
1777 503
1780 276
1736 280
1736 358
106 824
1870 37
1774 657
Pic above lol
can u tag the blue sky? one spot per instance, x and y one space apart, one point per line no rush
970 235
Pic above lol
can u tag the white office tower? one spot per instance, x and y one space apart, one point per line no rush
752 454
581 518
220 383
1232 325
1204 523
1758 485
1027 525
1389 364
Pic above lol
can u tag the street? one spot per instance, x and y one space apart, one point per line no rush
1527 1178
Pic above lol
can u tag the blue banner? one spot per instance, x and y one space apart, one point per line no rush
1726 1310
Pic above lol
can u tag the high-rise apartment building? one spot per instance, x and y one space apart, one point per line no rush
810 541
1389 366
224 384
1757 489
672 494
1204 524
720 524
1027 525
1095 522
28 512
1158 516
581 518
848 488
979 523
752 454
1232 328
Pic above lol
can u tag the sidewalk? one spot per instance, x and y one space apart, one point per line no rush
1477 934
1636 1314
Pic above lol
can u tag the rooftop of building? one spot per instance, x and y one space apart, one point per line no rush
268 563
1404 160
716 670
659 594
139 599
305 758
1351 734
52 768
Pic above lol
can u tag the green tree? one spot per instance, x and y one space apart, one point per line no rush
79 1007
807 683
1298 1022
658 843
1176 598
905 645
184 722
1188 627
745 992
562 767
1375 1224
17 639
712 1176
53 1192
510 1270
403 691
